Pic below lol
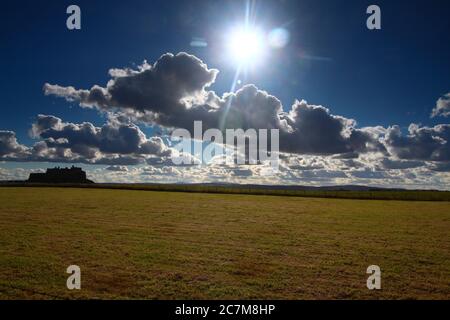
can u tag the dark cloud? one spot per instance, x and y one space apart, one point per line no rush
111 144
85 139
369 174
115 160
422 143
387 163
348 164
172 93
306 167
314 130
158 88
322 175
441 167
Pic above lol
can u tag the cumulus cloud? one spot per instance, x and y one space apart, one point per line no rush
173 93
442 107
158 88
314 130
113 143
86 139
387 163
422 143
9 145
316 145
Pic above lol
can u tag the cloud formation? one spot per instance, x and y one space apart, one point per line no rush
314 130
111 144
87 140
316 145
117 168
9 144
163 89
422 143
442 107
173 93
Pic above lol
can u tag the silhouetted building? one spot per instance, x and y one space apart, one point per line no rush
60 175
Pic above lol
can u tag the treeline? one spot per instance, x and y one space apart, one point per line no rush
407 195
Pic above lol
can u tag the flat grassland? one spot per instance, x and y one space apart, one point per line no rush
174 245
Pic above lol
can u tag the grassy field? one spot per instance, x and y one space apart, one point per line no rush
173 245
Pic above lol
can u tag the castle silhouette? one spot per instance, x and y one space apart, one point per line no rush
60 175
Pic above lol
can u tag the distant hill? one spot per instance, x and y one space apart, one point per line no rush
342 192
299 187
231 186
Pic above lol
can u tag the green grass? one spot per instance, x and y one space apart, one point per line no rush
162 245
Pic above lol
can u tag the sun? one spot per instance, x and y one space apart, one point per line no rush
246 45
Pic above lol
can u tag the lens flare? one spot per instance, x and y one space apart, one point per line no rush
278 38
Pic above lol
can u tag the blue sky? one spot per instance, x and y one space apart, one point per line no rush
392 76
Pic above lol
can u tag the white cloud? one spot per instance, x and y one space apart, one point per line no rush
442 106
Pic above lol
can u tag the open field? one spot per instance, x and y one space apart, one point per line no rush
174 245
